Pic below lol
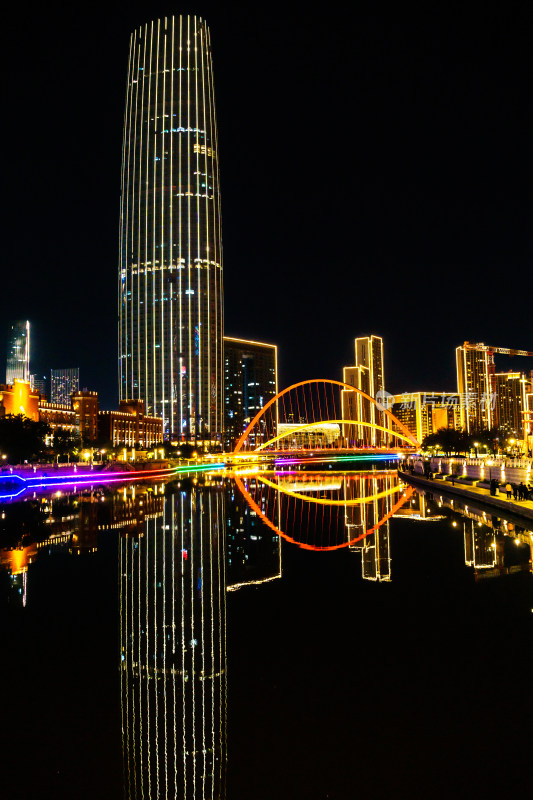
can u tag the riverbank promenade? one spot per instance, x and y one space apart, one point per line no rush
523 508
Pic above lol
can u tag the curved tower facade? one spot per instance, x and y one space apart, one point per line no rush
170 282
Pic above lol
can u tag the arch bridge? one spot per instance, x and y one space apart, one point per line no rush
323 415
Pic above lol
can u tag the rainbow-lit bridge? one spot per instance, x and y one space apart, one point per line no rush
321 417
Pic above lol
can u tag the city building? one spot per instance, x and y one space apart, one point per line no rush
18 353
19 398
352 406
86 407
129 427
39 384
367 375
250 381
425 413
478 387
511 389
63 384
170 273
59 416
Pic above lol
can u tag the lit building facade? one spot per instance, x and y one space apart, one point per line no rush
250 381
19 398
511 389
170 281
63 384
425 413
18 352
367 375
129 427
475 370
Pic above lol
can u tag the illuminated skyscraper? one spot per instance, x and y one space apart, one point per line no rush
18 353
475 368
170 283
511 390
250 381
369 359
63 384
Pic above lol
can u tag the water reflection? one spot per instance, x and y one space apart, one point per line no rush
173 649
182 547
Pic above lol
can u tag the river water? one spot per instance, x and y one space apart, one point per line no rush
290 634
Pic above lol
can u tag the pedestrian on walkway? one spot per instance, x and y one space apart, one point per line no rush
515 491
509 490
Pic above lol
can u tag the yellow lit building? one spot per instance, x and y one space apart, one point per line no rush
511 390
475 368
425 412
19 398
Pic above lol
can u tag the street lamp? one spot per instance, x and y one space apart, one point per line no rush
476 445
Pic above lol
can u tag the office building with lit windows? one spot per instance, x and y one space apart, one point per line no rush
63 384
18 352
511 389
367 375
170 274
424 413
250 381
475 370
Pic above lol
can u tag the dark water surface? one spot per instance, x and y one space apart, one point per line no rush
168 642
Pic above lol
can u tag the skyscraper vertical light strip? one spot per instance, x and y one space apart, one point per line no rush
190 324
124 201
135 297
197 262
215 257
207 266
155 298
163 258
172 255
143 223
181 379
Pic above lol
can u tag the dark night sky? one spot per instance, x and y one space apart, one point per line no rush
376 178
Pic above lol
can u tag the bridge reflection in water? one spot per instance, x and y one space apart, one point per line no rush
325 511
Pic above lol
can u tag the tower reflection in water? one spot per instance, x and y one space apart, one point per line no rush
173 649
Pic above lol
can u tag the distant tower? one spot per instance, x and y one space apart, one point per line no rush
18 353
170 273
63 384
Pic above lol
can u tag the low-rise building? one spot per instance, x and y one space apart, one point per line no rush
129 427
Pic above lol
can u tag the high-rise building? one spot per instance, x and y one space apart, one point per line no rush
425 413
18 353
170 275
511 389
475 368
368 376
63 384
250 381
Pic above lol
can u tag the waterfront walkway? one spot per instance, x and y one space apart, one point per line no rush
522 508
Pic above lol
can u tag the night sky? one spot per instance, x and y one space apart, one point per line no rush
375 169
